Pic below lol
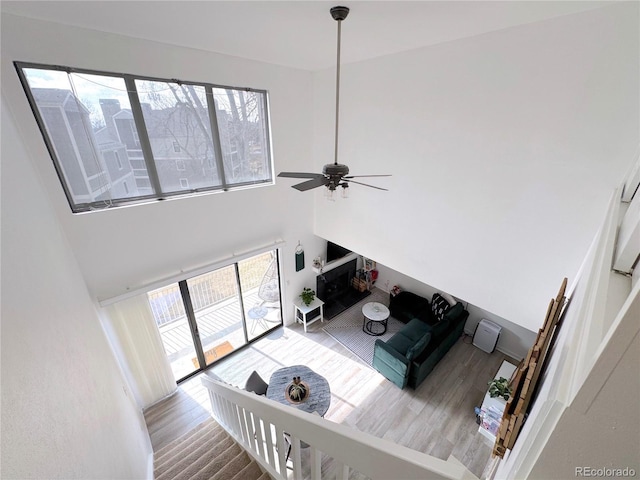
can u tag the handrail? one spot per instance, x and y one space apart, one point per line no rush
258 424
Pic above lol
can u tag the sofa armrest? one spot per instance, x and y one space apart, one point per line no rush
389 353
391 363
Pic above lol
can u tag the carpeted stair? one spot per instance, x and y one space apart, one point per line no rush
206 452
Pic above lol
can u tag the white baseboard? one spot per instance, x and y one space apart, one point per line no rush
150 466
515 356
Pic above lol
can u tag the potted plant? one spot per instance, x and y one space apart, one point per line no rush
499 388
297 390
307 296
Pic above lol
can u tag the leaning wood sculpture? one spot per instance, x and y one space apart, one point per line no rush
526 376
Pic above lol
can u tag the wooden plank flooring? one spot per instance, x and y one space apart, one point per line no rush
437 418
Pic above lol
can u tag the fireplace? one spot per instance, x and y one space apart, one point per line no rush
334 288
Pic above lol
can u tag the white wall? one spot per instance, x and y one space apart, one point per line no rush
131 247
503 147
66 408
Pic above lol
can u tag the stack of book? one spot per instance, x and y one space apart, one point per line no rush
491 418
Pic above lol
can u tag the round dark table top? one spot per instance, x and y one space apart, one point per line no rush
319 392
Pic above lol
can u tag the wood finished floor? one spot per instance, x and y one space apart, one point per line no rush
437 418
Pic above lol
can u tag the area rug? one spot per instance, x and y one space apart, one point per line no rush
346 328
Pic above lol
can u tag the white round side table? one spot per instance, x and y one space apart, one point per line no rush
376 316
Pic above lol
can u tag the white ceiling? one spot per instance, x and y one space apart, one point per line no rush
298 34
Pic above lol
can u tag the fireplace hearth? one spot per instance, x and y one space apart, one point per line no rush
334 289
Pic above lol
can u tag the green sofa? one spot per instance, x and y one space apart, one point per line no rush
408 357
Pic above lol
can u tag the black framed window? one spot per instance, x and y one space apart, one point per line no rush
106 130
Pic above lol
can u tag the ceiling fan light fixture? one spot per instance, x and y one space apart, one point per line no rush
330 193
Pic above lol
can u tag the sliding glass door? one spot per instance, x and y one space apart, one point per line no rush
204 318
217 310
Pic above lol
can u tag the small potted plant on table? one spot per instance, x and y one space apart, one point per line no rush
297 391
500 388
307 296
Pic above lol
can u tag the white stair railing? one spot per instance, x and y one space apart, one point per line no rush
259 425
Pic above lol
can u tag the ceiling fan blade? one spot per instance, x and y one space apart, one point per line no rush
361 176
365 184
314 183
300 175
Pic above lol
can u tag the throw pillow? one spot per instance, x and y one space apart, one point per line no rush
419 347
439 307
452 301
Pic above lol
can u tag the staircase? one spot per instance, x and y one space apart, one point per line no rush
208 452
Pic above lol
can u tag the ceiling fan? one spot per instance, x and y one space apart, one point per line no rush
334 174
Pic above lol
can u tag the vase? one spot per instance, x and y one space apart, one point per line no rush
297 391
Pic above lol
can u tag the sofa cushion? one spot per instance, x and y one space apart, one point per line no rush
419 346
408 336
415 329
454 313
440 329
431 347
401 343
439 307
407 305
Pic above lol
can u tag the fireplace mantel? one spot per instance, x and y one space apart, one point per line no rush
335 263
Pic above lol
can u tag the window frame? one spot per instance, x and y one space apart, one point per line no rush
186 297
144 142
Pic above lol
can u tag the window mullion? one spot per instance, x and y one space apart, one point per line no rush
143 135
193 324
215 135
241 300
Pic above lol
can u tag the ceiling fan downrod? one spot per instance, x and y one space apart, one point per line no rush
338 14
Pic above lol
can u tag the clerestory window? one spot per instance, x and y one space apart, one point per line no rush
171 138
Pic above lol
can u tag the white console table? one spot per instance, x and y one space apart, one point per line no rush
301 312
494 407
